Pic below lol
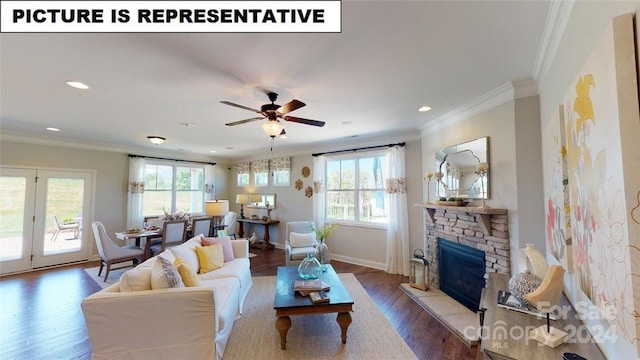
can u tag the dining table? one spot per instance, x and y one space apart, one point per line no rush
138 236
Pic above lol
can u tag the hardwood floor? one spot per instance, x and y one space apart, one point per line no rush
40 315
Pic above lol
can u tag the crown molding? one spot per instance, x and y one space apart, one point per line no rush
524 88
556 23
512 90
488 101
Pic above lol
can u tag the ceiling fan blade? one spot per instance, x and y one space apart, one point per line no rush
304 121
241 106
243 121
290 106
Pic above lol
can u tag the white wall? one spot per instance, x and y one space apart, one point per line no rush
586 24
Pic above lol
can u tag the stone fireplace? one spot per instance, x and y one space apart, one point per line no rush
483 229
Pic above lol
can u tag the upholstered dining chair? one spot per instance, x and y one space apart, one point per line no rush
297 250
202 226
152 221
174 233
110 252
230 223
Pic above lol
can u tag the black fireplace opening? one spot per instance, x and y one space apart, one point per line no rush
461 270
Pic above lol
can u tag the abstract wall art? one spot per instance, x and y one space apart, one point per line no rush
602 134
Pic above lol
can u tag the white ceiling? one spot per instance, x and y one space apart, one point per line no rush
391 58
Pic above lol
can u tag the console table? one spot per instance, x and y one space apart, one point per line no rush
505 332
265 245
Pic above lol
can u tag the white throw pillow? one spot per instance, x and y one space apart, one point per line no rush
168 255
136 279
187 252
165 275
302 240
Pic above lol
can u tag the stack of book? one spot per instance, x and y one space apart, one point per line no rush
315 289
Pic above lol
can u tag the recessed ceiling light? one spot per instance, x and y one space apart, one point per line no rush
186 124
212 151
77 85
348 123
424 108
53 129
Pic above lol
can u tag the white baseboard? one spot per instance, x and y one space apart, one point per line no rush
361 262
348 259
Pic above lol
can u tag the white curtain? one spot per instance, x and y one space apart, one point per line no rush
209 184
319 163
135 192
398 251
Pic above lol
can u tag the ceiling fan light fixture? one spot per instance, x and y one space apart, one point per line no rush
156 140
272 128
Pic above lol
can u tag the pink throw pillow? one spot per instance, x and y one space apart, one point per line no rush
225 241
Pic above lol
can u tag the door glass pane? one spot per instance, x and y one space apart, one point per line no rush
63 214
12 209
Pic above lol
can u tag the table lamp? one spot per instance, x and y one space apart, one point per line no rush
242 199
217 209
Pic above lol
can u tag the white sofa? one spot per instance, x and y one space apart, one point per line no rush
174 323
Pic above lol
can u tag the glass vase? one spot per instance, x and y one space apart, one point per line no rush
310 268
323 255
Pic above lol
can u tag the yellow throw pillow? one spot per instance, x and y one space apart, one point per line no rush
187 273
211 257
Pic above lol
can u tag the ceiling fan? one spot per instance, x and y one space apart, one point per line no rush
273 112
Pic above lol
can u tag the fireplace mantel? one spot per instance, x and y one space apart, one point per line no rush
483 215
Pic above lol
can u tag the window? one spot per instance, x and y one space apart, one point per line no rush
260 169
280 170
355 188
173 187
243 171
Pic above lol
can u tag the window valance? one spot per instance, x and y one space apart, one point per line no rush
243 167
260 166
281 164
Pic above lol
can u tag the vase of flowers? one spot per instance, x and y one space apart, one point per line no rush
322 250
174 215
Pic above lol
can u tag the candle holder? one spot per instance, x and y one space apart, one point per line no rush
438 177
428 177
481 169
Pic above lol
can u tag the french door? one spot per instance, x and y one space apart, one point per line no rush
44 217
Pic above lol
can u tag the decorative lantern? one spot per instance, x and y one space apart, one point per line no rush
419 271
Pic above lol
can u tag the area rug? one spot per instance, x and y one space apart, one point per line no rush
370 335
